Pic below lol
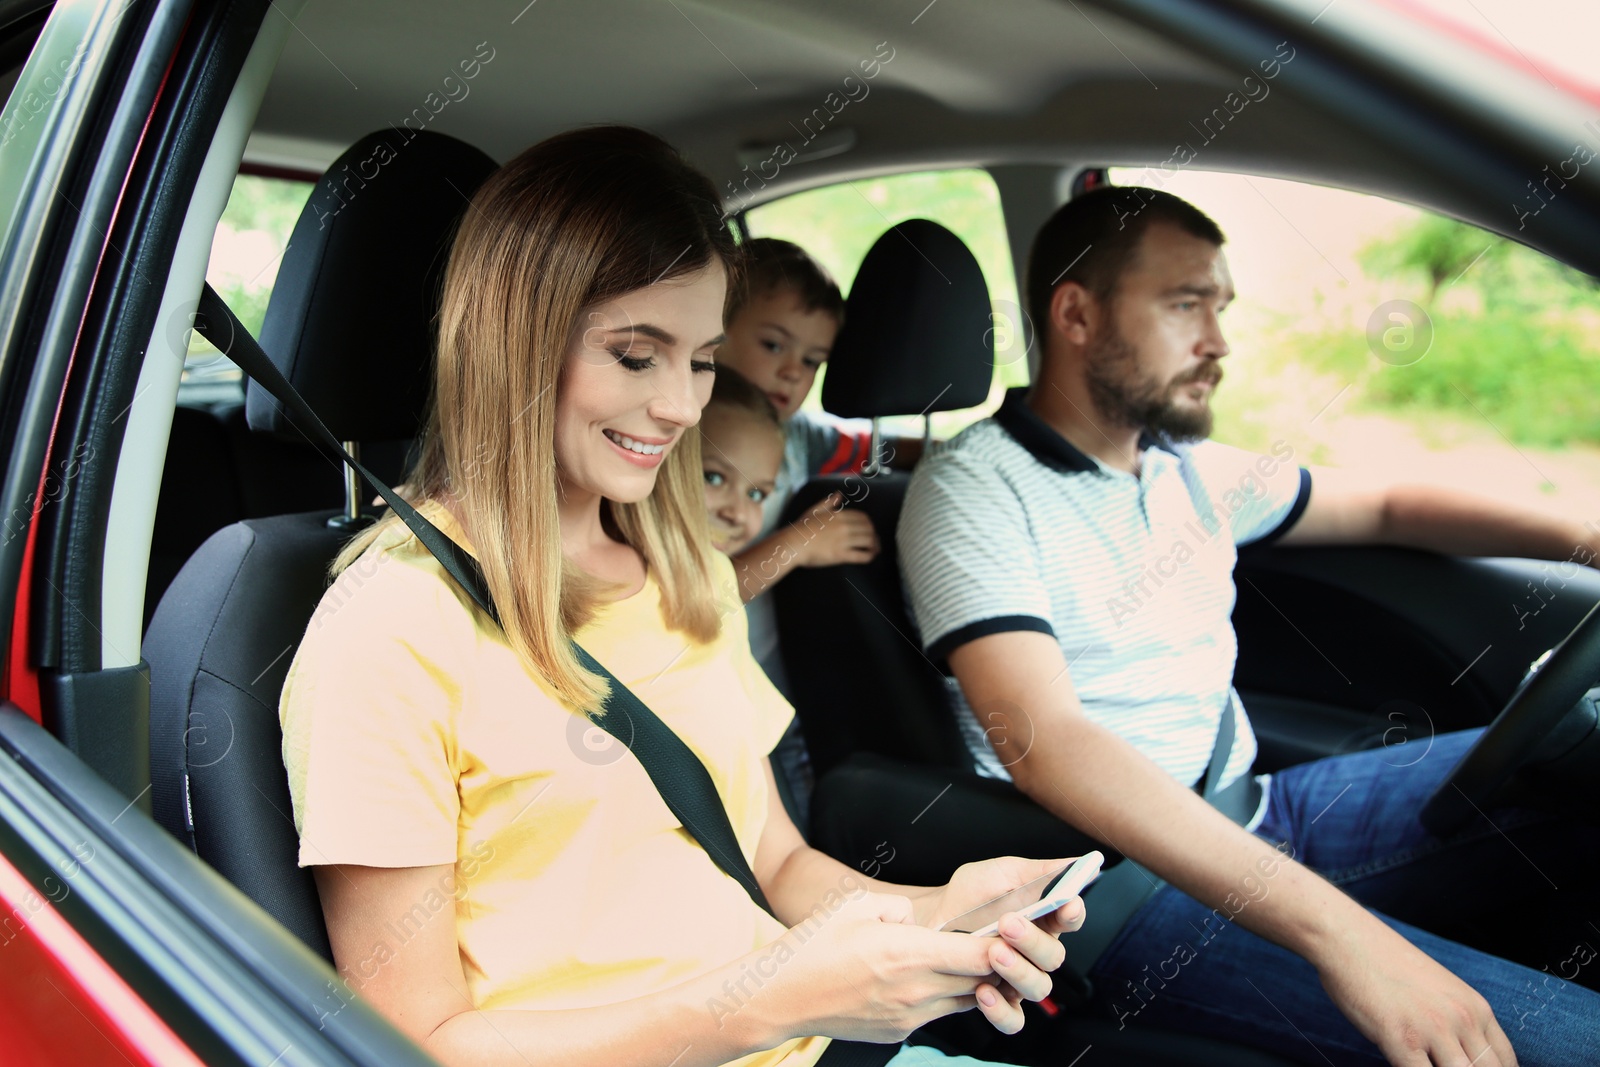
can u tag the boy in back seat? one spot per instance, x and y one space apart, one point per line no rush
778 335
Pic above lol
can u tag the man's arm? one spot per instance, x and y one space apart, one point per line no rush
1409 1006
1345 508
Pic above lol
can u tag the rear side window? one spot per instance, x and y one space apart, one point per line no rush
245 253
837 224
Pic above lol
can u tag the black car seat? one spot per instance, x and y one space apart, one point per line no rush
914 341
917 338
199 495
349 324
217 472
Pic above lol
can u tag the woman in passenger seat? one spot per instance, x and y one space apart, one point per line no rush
500 878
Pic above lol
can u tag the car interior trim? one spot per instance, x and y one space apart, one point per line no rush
57 946
140 460
40 161
67 344
172 70
83 428
233 984
1424 99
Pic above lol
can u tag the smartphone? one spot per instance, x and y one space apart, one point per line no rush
1031 900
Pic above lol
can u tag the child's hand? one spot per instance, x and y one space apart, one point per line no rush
831 534
403 491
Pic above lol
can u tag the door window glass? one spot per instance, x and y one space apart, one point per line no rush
1371 334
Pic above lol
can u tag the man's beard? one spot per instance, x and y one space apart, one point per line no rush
1124 398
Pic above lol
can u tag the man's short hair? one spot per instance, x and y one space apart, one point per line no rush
732 391
771 264
1092 239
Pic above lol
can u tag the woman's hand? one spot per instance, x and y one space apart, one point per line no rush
1025 952
870 972
977 883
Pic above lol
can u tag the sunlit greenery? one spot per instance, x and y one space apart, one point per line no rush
1516 335
248 248
268 206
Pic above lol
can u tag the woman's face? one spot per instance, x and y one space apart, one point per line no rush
637 371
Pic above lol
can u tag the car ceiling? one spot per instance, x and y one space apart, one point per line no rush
1004 81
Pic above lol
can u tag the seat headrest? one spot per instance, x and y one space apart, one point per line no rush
350 321
917 321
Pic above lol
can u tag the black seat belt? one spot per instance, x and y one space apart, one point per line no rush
1111 901
677 773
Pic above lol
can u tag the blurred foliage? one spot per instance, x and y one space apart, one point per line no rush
265 209
269 204
837 224
249 303
1516 335
1435 247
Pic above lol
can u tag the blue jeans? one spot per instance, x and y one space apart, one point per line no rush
1177 965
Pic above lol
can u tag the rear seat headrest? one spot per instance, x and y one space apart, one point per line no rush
350 321
917 334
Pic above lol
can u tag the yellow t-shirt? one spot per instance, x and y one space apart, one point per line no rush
414 736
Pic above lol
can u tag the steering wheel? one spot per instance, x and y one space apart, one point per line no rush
1547 697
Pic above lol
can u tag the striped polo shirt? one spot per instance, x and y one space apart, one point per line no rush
1009 527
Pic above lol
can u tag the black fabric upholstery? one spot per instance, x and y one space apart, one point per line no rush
350 319
200 494
878 692
217 472
935 819
219 649
279 476
917 336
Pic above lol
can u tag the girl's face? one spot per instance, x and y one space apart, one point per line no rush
637 371
740 454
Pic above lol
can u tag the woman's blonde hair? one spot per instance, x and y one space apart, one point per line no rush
576 220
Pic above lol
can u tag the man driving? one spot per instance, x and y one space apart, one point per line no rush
1070 560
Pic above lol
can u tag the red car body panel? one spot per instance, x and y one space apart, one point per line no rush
19 682
60 1003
